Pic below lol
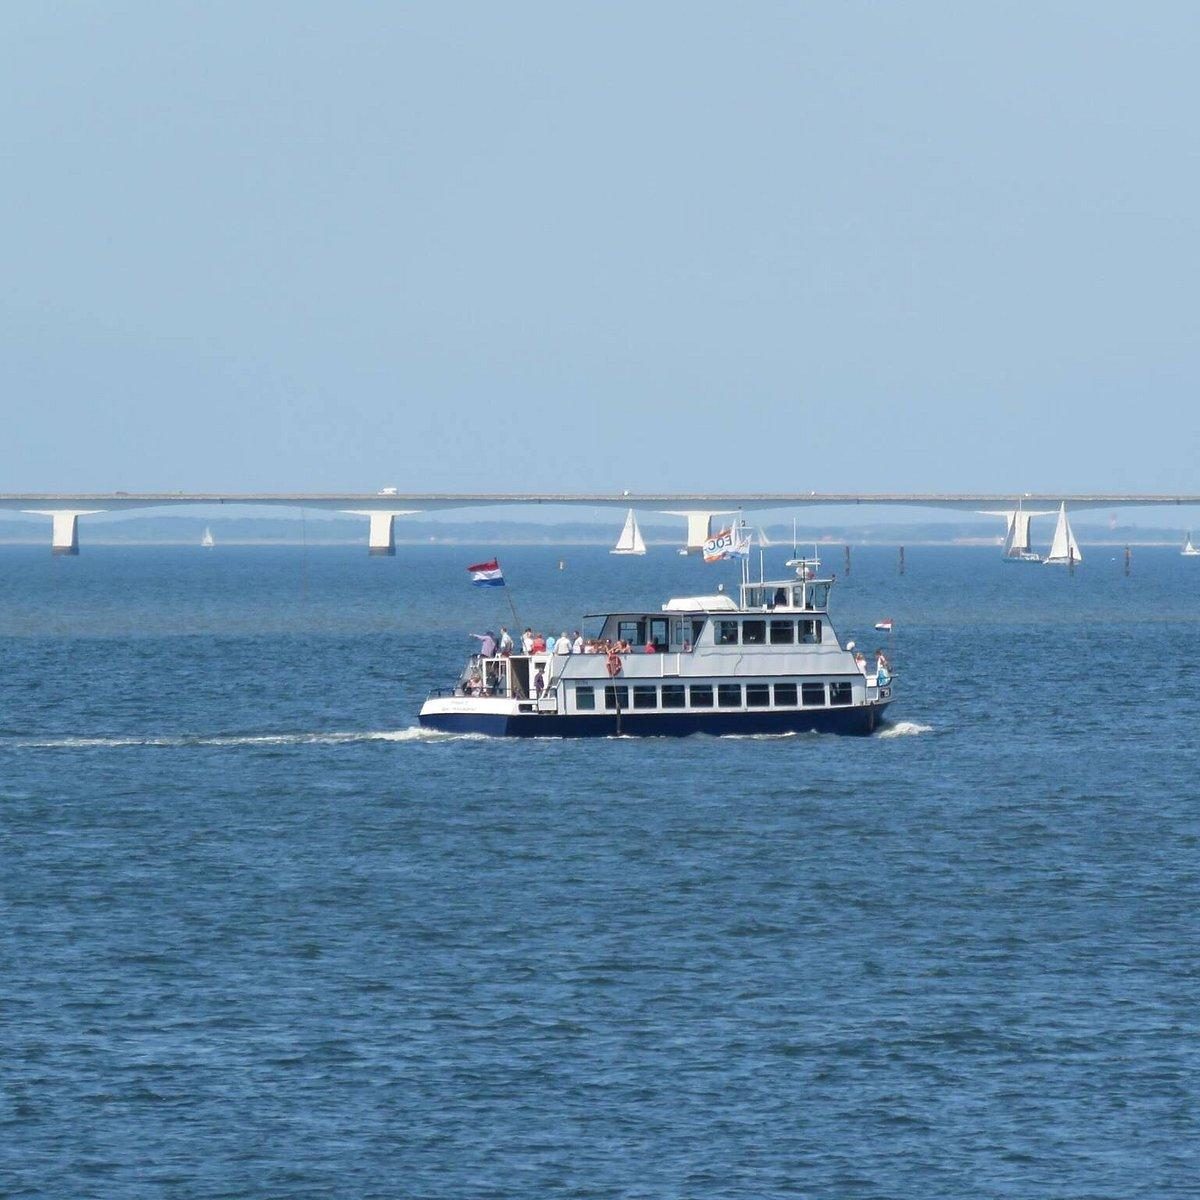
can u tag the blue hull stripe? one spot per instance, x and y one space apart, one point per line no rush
858 720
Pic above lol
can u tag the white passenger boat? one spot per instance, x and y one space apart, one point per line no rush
702 664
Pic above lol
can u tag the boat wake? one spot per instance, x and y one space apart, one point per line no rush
414 733
903 729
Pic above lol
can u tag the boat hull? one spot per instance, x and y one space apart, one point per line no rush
860 719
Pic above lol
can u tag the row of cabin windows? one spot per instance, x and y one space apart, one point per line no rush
774 632
706 695
660 630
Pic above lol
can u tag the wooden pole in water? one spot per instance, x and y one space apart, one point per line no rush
847 560
1128 559
901 560
1071 560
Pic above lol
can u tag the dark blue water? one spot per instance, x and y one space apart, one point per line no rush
260 937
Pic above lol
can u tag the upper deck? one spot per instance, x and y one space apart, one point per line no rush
689 623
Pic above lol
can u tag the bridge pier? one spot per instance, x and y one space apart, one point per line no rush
699 527
64 528
381 540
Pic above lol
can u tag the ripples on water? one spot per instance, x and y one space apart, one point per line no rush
262 936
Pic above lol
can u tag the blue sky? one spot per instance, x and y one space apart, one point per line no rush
671 246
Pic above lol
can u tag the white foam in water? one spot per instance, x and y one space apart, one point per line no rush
414 733
904 729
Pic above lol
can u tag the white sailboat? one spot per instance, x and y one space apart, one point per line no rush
764 541
1189 551
207 540
1016 542
1064 549
630 541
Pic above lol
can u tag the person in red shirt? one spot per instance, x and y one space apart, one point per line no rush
539 644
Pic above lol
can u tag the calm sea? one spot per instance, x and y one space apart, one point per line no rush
260 937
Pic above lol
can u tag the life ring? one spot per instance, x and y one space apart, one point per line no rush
613 664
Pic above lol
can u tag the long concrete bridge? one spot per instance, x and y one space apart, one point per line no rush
699 508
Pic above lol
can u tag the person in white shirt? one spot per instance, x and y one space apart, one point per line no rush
506 642
563 645
577 644
527 642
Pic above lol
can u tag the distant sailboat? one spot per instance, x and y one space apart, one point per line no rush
763 540
1064 549
630 541
207 540
1016 541
1189 551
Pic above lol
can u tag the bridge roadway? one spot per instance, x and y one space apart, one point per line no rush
381 508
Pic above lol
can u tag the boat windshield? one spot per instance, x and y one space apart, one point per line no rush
809 594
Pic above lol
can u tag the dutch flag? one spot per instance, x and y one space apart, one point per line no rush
884 626
486 574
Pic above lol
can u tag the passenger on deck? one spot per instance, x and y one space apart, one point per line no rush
551 644
651 648
882 672
539 644
577 644
539 684
527 641
487 641
860 661
563 645
506 643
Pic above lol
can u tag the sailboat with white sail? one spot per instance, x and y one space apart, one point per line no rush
207 541
1189 551
630 541
1016 540
1064 550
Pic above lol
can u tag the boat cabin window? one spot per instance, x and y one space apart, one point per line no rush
729 695
701 695
727 633
818 595
758 695
839 693
645 695
783 633
785 695
813 695
766 597
495 677
616 696
585 699
754 633
672 695
686 630
657 632
810 632
631 631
